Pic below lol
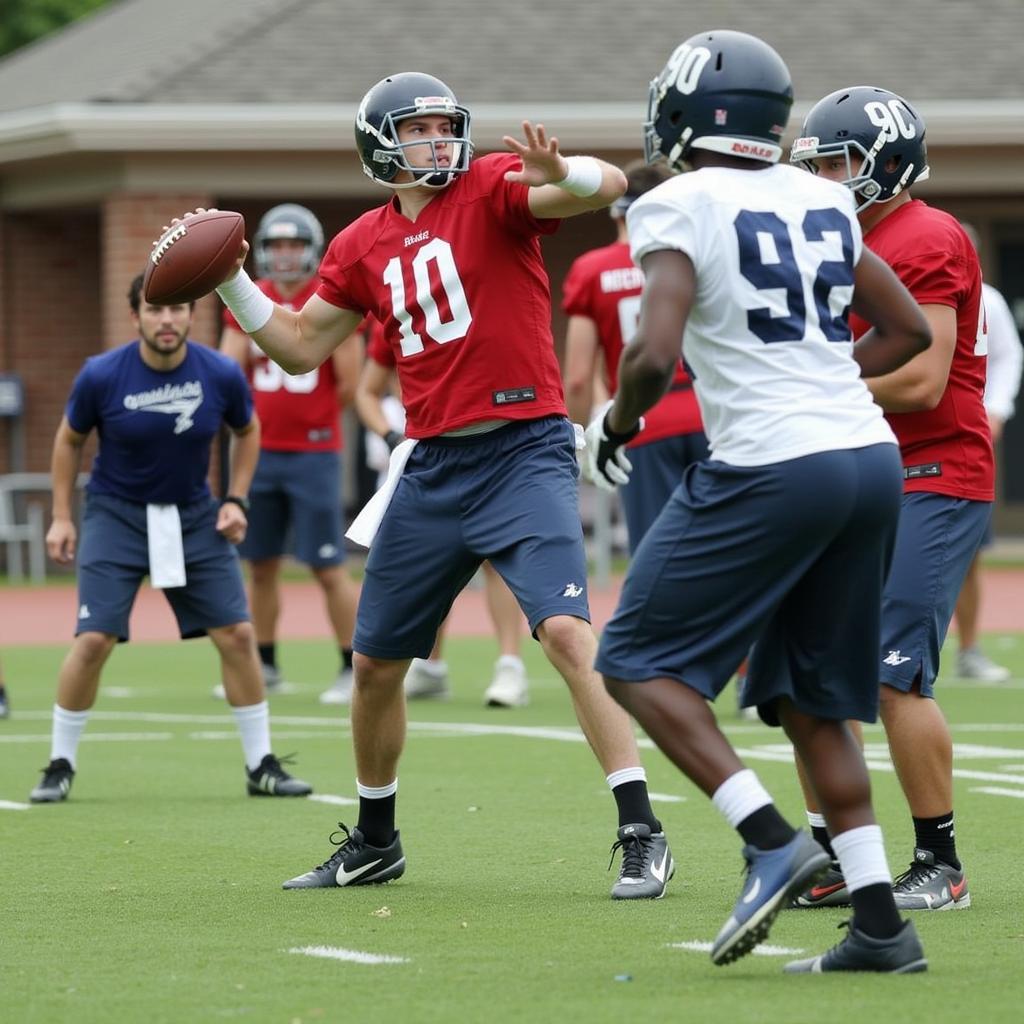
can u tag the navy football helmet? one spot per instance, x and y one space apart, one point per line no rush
394 99
876 125
724 91
289 220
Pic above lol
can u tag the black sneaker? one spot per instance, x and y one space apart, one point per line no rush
354 862
647 863
5 706
55 783
902 954
270 779
829 891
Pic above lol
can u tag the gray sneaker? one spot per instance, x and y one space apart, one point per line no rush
902 954
929 884
973 663
341 691
427 680
55 784
647 863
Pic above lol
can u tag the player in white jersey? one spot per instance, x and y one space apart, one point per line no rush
784 534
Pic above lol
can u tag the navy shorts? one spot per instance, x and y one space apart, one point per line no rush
295 507
792 555
509 496
658 468
937 540
113 558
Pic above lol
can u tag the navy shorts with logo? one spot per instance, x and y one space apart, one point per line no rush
791 555
658 468
937 540
295 507
509 496
113 558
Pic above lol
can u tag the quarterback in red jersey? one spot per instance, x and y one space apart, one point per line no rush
451 266
874 142
295 497
601 295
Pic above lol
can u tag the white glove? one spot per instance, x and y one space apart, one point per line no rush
605 463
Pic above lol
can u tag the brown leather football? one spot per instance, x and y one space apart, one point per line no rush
193 256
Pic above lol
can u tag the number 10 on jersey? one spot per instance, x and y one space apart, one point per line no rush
446 315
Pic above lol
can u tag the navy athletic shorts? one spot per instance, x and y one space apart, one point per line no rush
113 558
658 468
937 540
509 496
295 507
791 555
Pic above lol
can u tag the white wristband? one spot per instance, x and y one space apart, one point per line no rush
251 308
584 177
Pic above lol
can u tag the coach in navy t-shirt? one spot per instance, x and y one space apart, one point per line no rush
157 403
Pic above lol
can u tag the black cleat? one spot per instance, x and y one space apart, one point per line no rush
829 891
354 862
55 783
270 779
902 954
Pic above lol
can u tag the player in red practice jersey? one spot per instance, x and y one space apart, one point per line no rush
296 496
601 294
873 141
451 265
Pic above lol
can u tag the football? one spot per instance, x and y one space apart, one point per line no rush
193 256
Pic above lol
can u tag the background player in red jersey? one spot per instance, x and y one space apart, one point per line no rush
874 142
296 492
601 295
451 265
382 413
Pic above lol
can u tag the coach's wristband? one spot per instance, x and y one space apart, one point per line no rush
251 308
584 177
235 499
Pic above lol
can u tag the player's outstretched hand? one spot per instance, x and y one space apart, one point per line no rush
542 163
604 462
232 522
61 540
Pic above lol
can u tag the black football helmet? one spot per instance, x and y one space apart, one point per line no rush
392 100
724 91
878 126
289 220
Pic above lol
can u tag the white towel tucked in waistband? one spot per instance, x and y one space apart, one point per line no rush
365 526
166 550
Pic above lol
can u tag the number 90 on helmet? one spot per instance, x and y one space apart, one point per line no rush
723 91
394 99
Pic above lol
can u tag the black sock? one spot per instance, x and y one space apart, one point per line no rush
377 819
346 659
634 805
820 834
874 911
937 835
766 828
268 654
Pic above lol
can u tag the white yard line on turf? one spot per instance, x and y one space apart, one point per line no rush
997 791
354 956
331 798
10 805
95 737
762 950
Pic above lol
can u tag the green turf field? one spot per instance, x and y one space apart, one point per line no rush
154 893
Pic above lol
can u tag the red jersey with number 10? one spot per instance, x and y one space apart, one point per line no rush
463 296
948 449
298 412
605 286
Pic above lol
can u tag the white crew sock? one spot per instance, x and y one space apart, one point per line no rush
861 856
511 661
254 729
816 820
66 733
376 792
626 775
739 796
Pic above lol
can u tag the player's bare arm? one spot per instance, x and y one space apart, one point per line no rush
900 330
921 383
648 363
374 384
61 538
581 345
348 363
545 171
232 522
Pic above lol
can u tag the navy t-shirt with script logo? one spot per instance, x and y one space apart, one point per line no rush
156 428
